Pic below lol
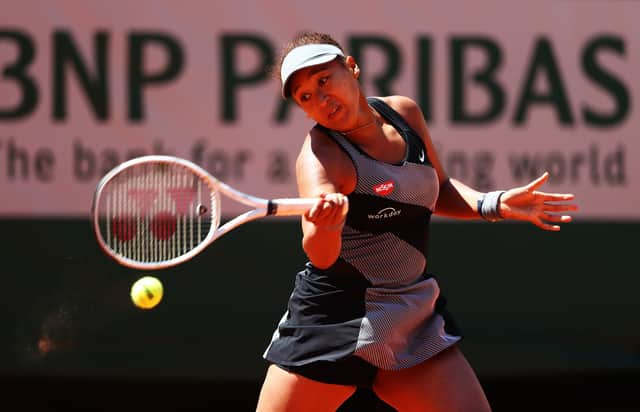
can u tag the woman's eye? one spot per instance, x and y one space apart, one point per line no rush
305 97
323 80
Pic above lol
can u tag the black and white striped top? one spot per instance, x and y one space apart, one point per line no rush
376 301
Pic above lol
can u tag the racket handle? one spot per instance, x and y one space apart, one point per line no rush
290 207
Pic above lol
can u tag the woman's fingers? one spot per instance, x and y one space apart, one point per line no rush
537 182
329 209
557 218
339 206
542 225
559 208
545 210
556 197
313 213
545 221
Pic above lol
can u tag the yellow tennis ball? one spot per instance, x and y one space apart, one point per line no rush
147 292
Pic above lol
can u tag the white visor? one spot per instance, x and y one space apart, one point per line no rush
306 56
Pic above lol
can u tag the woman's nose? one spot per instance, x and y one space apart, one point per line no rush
323 99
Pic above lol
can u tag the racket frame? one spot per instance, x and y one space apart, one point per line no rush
261 207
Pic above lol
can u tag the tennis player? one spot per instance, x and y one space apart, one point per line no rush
364 311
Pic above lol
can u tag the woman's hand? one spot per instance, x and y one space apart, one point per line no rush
322 228
526 203
329 212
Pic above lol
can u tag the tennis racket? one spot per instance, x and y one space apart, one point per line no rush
154 212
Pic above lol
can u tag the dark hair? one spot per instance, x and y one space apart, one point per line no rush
302 38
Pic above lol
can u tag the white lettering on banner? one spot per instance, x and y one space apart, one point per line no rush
510 100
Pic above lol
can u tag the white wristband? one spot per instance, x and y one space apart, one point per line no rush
489 206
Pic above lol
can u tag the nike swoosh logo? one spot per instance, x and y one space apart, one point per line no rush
421 157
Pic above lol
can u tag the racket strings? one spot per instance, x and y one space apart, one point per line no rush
156 212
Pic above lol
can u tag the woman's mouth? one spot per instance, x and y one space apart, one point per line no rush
334 109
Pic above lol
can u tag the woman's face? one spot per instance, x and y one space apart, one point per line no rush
329 93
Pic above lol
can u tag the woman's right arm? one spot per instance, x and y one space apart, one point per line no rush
323 170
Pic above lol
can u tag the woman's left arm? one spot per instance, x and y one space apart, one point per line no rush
458 200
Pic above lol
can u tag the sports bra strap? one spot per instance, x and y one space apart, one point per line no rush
413 139
390 114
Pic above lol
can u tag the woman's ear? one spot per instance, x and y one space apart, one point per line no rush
352 66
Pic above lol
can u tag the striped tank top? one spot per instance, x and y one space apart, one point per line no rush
377 300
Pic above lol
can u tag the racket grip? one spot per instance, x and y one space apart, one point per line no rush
291 207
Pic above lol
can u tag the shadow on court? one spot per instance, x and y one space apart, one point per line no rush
67 313
615 393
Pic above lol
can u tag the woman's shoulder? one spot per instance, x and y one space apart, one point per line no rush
322 158
320 145
404 105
